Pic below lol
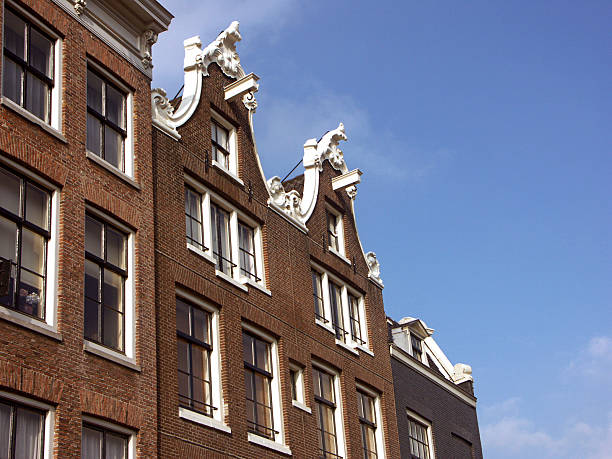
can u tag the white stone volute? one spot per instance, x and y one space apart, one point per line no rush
223 52
327 148
162 112
250 102
373 267
287 202
463 372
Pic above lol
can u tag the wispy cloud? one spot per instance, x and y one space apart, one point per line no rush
593 363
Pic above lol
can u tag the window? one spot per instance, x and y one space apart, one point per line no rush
106 119
328 421
335 232
420 438
28 65
417 349
339 309
296 379
25 231
106 272
367 421
194 342
99 443
224 236
22 431
224 145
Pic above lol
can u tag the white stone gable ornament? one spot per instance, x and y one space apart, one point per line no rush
289 202
223 52
373 267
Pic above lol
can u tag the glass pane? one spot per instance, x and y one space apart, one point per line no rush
183 388
262 350
37 206
113 290
37 97
115 446
14 34
183 355
91 444
113 147
200 325
94 135
182 317
262 390
250 409
113 329
247 349
114 106
92 281
92 320
316 381
8 239
31 294
33 248
41 53
327 387
330 443
199 361
328 420
223 138
94 92
5 429
248 384
370 439
115 247
12 81
9 191
264 418
93 236
28 435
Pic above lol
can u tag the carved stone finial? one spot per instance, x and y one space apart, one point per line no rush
327 148
462 372
250 102
223 52
79 6
373 267
288 202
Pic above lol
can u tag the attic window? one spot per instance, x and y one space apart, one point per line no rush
335 232
417 349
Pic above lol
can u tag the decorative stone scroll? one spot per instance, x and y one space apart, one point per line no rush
223 52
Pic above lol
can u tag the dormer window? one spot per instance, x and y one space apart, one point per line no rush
417 349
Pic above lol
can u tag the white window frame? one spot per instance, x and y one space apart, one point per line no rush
350 345
235 215
278 424
128 357
113 428
55 122
423 358
217 421
338 413
379 434
300 398
341 252
47 327
428 425
49 427
232 172
128 144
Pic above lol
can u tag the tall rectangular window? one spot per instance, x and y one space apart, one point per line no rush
221 241
105 277
367 421
417 349
419 439
325 412
194 342
248 267
355 319
258 376
106 119
317 289
220 144
27 65
335 296
24 235
333 231
193 218
99 443
21 431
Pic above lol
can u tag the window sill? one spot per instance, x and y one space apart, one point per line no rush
346 346
27 115
217 165
231 280
198 418
301 406
109 354
364 349
113 170
201 253
339 255
325 326
252 283
275 446
30 323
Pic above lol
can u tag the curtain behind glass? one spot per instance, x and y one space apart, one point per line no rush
5 430
28 434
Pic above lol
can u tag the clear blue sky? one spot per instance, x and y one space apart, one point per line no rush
484 133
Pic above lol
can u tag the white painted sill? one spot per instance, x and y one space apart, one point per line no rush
222 275
27 115
364 349
275 446
339 255
325 326
301 406
109 354
231 280
30 323
199 418
201 253
217 165
112 169
252 283
346 346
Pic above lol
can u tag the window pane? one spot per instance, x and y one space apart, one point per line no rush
199 358
113 147
93 236
113 329
115 247
91 444
9 192
28 433
114 106
5 429
262 389
92 281
31 294
223 137
33 248
327 387
115 446
41 53
183 389
12 81
247 349
94 92
37 97
14 34
8 239
182 317
113 290
183 355
263 354
37 206
92 320
94 135
221 242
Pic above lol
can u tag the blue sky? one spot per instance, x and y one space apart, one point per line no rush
483 131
